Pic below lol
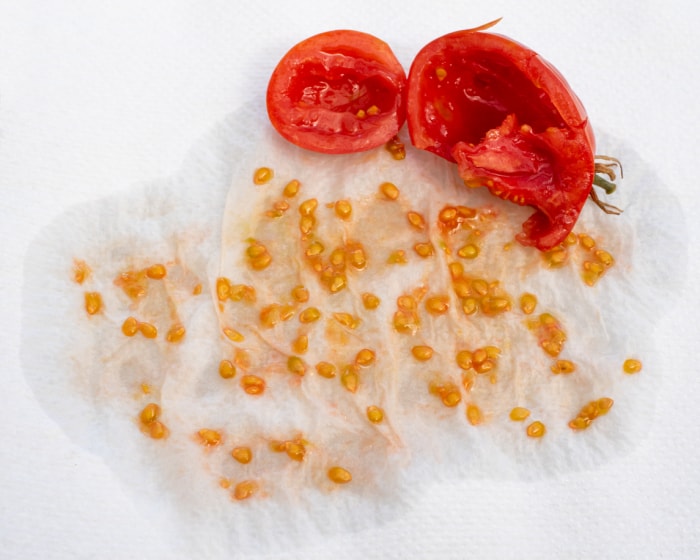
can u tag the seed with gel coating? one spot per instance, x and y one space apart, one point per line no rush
631 366
242 454
339 475
536 429
375 414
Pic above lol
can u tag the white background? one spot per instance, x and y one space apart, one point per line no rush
97 97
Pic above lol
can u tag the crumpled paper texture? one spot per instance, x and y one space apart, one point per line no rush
86 374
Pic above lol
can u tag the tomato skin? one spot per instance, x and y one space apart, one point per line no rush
510 121
319 90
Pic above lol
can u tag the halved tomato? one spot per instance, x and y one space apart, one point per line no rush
338 92
510 121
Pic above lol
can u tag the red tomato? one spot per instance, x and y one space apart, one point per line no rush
338 92
510 121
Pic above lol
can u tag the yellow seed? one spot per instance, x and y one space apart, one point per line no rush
308 207
337 259
242 292
604 258
586 241
309 315
224 483
261 262
148 330
396 148
556 257
440 73
424 249
631 366
571 239
306 224
416 220
244 490
347 320
325 369
242 454
422 353
474 415
528 303
343 209
262 175
451 397
296 365
406 322
370 301
389 190
397 257
145 388
300 294
518 414
223 288
470 305
252 384
133 283
175 334
563 366
365 357
81 271
469 251
295 450
93 302
233 335
437 305
462 287
480 287
375 414
339 475
314 249
464 359
130 326
356 256
156 272
479 356
291 189
350 378
157 430
226 369
373 110
197 290
580 423
337 283
536 429
209 438
150 413
456 270
604 404
300 344
361 114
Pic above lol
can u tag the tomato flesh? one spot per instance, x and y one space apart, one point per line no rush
338 92
511 123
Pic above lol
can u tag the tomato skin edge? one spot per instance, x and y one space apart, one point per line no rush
350 134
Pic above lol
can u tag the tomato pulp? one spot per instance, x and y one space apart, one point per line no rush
511 123
338 92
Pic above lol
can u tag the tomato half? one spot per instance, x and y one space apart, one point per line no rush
338 92
510 121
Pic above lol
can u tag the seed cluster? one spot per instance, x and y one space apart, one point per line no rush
302 315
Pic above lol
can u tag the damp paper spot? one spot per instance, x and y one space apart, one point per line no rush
354 343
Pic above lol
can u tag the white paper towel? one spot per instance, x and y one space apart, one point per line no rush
87 374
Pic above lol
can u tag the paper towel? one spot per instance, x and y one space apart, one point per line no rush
88 375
